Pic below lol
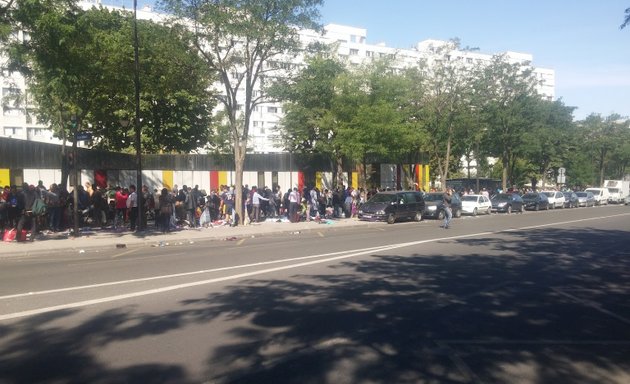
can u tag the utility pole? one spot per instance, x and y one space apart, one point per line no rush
77 178
138 128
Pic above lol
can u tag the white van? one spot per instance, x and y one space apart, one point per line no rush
601 195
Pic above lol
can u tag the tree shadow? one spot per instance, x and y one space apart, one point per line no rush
545 306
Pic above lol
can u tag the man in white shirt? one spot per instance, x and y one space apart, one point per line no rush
294 200
132 207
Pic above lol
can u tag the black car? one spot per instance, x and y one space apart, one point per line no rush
434 205
535 201
393 205
571 200
507 202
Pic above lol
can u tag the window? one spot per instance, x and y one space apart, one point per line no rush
354 52
36 132
254 124
12 131
272 109
469 60
12 112
369 54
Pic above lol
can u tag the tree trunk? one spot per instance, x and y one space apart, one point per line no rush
506 165
240 149
339 160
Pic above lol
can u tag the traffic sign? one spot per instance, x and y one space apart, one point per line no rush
83 136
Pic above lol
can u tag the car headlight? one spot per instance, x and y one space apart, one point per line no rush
360 211
381 212
501 205
431 208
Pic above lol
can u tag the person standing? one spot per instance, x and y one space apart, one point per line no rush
165 205
256 199
132 206
27 198
121 197
190 204
448 213
294 200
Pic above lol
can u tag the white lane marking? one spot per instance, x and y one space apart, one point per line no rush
183 274
243 275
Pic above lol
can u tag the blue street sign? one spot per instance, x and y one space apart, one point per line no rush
83 136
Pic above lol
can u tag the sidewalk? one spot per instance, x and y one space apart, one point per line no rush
108 239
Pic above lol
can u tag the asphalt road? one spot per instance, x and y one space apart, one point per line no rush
532 298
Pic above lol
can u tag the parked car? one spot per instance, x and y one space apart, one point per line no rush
601 195
535 201
556 199
476 204
507 202
434 206
571 200
585 199
391 206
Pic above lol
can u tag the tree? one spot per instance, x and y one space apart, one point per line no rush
442 105
509 96
603 137
376 116
626 20
81 63
242 40
316 105
549 139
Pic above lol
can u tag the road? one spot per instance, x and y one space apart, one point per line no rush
534 298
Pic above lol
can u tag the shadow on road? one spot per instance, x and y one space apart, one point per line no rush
545 306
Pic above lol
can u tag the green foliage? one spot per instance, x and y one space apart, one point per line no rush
81 63
605 139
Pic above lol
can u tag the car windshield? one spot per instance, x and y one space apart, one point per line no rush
550 194
567 194
469 198
581 194
501 197
433 197
383 198
530 196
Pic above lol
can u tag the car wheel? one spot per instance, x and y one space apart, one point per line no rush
521 210
458 213
474 212
537 207
418 216
488 211
391 218
440 214
509 209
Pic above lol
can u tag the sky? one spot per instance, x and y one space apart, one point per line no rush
579 39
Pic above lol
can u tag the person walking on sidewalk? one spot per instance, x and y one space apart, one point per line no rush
448 213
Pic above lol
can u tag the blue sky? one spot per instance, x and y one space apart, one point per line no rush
579 39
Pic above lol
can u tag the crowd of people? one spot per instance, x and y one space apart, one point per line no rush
32 209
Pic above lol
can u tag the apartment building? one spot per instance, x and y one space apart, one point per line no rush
18 121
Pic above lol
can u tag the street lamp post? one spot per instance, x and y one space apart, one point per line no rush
136 122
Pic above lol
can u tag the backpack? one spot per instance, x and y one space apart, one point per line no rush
39 207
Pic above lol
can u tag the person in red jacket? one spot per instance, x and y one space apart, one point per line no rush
121 207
